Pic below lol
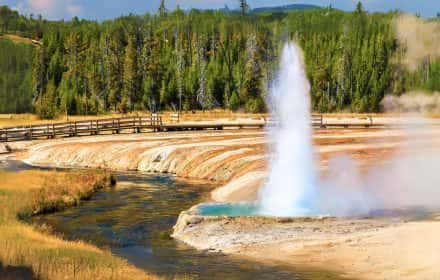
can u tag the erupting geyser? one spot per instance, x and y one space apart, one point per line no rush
290 188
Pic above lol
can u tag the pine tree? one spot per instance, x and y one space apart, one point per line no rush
234 102
162 9
252 85
179 70
163 93
39 74
130 75
202 92
116 65
74 49
47 107
94 77
244 7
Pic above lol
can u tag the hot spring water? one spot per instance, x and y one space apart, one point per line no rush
290 188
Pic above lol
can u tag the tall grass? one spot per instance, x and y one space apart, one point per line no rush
27 193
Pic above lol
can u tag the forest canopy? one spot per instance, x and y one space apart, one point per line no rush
187 60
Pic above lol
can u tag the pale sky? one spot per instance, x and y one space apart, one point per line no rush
106 9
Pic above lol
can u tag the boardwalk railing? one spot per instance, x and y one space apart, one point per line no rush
151 122
80 128
175 117
315 121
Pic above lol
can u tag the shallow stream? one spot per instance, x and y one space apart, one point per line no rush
135 221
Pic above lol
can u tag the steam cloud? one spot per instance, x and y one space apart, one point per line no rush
421 37
409 179
413 102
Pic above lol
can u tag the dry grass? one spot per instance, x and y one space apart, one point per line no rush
21 245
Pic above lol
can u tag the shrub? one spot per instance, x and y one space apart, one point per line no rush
234 102
255 105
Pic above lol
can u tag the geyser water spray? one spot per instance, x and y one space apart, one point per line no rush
290 188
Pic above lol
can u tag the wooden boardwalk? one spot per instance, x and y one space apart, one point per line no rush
140 124
79 128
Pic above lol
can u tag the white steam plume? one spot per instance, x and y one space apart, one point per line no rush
291 183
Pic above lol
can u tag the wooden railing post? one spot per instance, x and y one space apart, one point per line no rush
139 127
134 124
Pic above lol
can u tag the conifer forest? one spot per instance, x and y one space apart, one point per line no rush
200 60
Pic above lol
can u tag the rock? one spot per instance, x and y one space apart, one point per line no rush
194 220
5 149
158 158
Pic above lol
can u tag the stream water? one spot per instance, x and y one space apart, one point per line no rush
135 220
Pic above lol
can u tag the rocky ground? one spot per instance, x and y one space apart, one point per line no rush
357 248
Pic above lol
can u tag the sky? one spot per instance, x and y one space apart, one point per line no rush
107 9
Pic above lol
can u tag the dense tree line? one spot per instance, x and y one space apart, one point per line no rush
15 77
201 60
195 60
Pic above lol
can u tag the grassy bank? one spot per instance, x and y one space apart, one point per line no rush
27 193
